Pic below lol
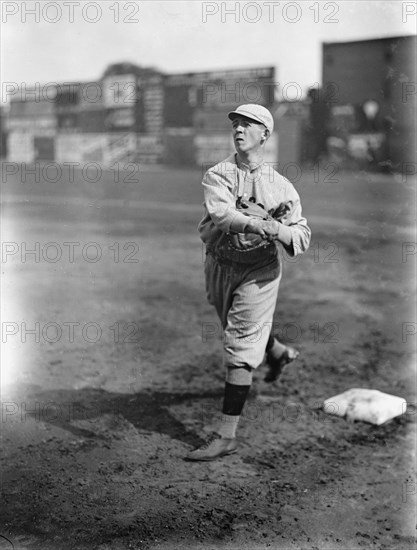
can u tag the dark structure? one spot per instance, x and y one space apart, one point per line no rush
316 130
370 89
135 114
3 135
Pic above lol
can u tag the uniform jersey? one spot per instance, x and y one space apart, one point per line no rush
230 179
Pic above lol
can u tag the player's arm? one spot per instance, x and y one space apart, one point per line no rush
294 233
221 203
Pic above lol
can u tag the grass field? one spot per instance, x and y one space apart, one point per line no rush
122 371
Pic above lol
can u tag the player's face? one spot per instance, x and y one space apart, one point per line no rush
248 135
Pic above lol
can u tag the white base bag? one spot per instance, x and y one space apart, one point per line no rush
367 405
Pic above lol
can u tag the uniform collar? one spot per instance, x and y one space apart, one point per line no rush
251 167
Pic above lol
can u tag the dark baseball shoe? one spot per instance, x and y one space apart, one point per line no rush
276 364
215 447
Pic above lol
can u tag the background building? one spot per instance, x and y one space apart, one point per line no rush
291 121
196 107
369 88
363 116
135 114
3 134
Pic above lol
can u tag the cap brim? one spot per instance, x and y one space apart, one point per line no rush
233 114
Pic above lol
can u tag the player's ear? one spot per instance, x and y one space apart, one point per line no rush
265 135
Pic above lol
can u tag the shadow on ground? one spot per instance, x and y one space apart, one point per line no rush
146 411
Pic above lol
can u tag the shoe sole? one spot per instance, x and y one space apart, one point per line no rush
192 459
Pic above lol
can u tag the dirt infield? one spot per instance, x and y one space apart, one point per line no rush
112 373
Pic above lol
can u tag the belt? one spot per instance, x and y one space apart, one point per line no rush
236 264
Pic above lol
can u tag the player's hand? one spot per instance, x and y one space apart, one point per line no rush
255 226
271 228
267 229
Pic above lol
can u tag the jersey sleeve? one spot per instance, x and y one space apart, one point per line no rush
295 234
220 203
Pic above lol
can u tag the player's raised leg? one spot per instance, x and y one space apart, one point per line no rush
277 356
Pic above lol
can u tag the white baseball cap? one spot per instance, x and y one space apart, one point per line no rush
254 112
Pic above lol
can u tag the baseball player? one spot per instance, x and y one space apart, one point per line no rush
250 211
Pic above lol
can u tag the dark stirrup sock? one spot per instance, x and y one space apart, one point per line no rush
238 383
270 343
234 399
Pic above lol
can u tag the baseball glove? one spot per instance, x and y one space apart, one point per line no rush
283 212
249 241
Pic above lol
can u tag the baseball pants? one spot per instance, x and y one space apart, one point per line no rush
244 297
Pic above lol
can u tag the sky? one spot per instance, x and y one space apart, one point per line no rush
73 40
